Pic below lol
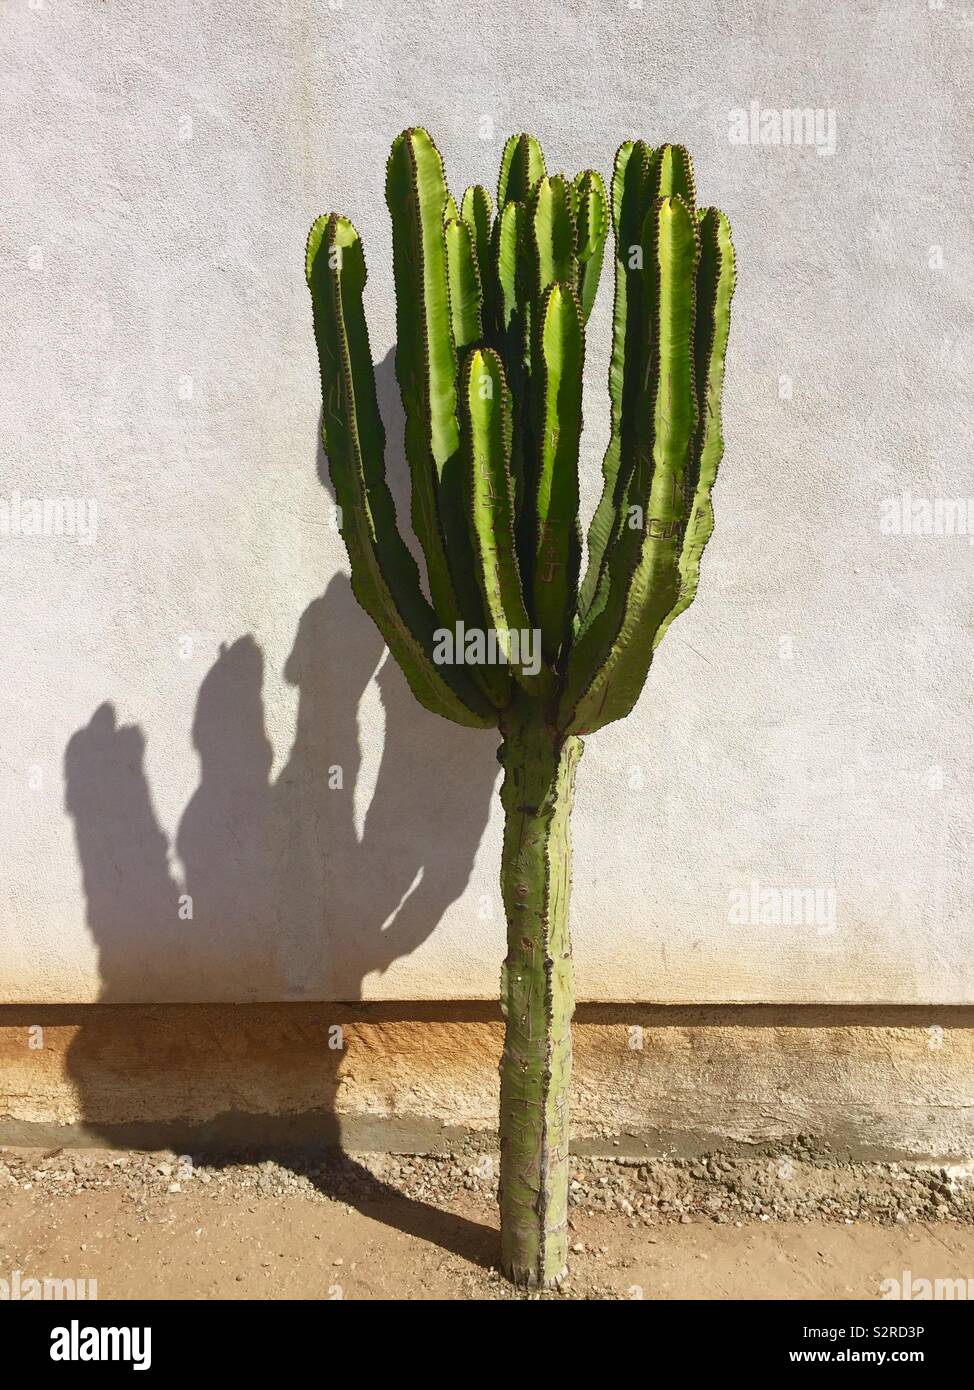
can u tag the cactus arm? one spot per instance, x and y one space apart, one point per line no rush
522 164
485 409
505 175
510 231
671 175
385 579
641 177
426 365
554 234
512 328
547 258
559 542
450 210
465 312
715 288
477 209
426 362
463 276
591 230
609 661
626 380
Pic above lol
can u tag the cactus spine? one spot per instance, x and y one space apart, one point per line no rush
492 308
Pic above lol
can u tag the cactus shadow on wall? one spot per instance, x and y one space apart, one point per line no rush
279 875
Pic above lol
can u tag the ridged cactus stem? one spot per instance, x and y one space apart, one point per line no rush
537 994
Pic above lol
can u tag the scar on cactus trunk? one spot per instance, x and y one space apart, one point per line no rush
491 320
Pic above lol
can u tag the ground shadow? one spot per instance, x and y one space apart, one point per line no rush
275 880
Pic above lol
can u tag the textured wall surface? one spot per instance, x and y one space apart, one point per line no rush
877 1083
181 675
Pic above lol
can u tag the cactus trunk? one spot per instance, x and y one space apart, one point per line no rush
537 995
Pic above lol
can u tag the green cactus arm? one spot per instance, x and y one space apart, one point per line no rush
426 365
553 230
608 664
522 164
559 541
671 175
485 410
504 177
510 231
715 289
629 317
426 361
513 324
627 361
450 211
641 176
591 230
477 210
385 579
463 276
465 313
547 257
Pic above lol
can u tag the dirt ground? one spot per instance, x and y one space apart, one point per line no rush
157 1226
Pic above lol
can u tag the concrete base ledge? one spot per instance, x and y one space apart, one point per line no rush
879 1083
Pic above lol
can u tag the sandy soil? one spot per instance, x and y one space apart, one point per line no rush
148 1229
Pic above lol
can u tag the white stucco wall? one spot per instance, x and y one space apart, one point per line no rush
806 726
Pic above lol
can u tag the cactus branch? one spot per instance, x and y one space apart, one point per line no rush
385 579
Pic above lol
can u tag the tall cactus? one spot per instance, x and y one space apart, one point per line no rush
492 310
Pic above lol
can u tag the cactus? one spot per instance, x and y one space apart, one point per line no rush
492 306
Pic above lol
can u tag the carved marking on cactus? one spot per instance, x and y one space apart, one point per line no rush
549 576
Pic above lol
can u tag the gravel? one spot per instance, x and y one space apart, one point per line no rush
721 1189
